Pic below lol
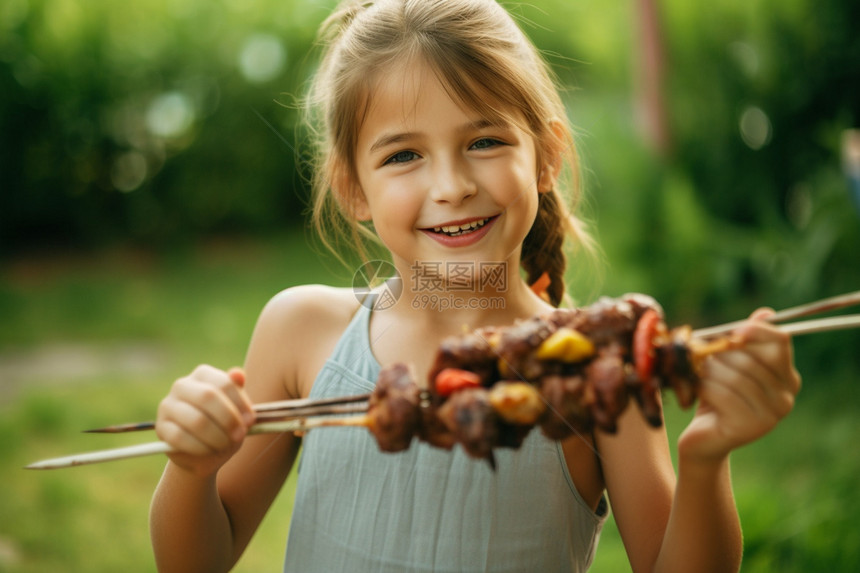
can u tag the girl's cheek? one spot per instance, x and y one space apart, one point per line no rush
508 181
405 202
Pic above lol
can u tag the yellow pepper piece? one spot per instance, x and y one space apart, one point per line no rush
565 345
517 402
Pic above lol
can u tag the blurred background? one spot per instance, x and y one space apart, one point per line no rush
153 197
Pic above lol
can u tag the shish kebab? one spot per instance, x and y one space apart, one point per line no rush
568 372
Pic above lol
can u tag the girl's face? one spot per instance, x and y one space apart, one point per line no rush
442 183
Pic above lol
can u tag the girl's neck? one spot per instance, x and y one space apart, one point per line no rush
426 312
452 304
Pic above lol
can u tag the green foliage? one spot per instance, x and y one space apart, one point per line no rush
161 121
173 312
154 121
797 493
760 94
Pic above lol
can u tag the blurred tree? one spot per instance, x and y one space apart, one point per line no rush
152 122
761 95
750 207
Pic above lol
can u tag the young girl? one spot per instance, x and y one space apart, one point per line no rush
441 131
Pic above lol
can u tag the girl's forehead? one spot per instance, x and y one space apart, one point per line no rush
412 92
404 90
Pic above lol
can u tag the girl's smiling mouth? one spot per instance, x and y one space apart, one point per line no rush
457 229
461 233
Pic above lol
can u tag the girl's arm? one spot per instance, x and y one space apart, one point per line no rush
692 524
203 517
213 496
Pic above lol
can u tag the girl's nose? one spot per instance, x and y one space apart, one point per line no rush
452 183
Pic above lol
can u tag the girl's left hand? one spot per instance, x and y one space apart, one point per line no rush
744 392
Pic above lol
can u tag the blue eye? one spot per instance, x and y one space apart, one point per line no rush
486 143
401 157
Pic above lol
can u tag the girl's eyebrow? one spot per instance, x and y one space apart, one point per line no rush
395 138
486 123
386 140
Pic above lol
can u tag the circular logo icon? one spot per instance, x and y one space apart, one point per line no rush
377 285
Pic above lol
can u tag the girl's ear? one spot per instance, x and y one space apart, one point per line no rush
349 195
552 157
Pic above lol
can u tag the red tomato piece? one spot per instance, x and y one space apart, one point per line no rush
451 380
643 344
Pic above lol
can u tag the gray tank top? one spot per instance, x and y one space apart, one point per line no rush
427 509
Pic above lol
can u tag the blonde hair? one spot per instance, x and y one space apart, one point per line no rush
485 61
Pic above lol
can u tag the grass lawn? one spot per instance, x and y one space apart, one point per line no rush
98 339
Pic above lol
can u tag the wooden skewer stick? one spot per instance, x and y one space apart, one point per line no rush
824 305
102 456
822 325
833 303
267 410
309 402
123 428
700 348
280 415
305 424
308 423
151 448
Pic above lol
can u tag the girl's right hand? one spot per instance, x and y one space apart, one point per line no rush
205 418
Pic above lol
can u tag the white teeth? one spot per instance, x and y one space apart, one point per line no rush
455 230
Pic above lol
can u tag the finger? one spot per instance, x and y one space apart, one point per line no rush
762 313
731 387
180 439
212 400
201 425
755 380
773 349
758 330
231 383
207 373
237 375
246 407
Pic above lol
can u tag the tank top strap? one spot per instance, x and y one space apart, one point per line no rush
352 368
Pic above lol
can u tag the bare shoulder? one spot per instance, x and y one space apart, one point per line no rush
297 330
296 305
